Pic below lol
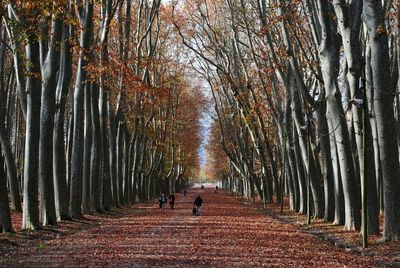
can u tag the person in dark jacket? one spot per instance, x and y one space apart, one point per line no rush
197 203
162 201
172 201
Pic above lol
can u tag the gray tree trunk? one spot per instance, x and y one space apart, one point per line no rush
329 57
9 159
5 216
372 193
49 82
326 164
4 137
374 18
61 191
113 154
106 171
30 215
105 188
127 167
18 62
119 162
86 16
289 147
301 174
312 169
337 180
69 152
374 129
87 150
95 161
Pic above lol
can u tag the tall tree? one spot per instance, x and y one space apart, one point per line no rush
49 82
384 92
5 216
85 16
4 137
30 214
59 154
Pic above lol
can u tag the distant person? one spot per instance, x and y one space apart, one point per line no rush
197 204
216 189
184 192
202 187
162 201
172 201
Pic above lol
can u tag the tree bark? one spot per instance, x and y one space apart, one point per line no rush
106 171
329 57
11 166
30 216
373 17
61 191
87 150
95 162
49 82
9 159
326 164
86 16
5 216
113 154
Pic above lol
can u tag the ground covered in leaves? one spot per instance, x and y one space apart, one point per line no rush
228 233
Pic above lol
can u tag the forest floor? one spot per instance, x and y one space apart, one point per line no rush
228 233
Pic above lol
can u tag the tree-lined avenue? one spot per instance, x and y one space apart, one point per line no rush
226 234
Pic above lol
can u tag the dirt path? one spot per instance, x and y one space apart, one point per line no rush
227 234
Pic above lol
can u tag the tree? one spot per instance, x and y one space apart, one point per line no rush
373 17
85 16
48 95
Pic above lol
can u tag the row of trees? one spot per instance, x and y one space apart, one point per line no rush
289 80
95 108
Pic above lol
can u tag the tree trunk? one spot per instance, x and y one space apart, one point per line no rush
337 181
329 58
77 145
18 63
312 169
30 216
49 83
374 129
127 167
95 163
5 217
119 162
113 154
87 150
106 172
291 159
9 161
4 137
372 194
373 17
326 164
61 192
301 174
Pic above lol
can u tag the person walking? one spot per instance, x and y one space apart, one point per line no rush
184 192
162 201
172 201
197 204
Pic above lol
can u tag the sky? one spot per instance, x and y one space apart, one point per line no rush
205 127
